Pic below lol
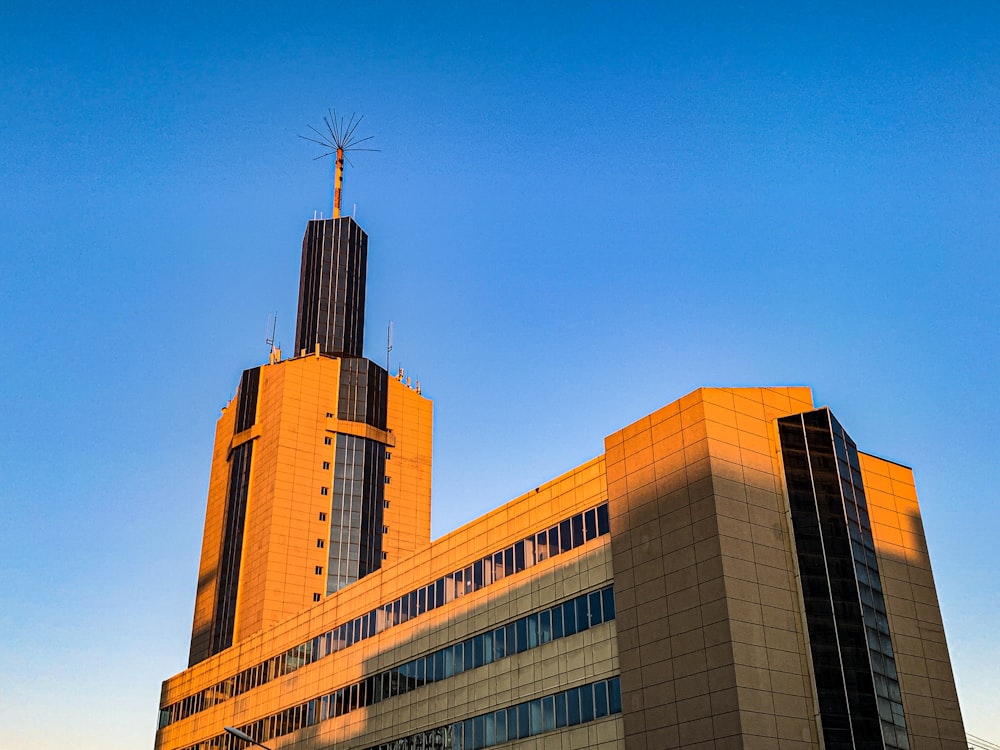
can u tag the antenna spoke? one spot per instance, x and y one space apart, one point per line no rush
339 138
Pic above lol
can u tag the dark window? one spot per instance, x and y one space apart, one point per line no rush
320 543
385 503
326 465
319 570
603 522
322 516
328 415
327 441
387 455
324 490
590 524
316 597
387 480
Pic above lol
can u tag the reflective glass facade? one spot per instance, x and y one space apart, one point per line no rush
355 511
854 667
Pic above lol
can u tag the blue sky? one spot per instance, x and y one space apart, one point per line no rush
579 213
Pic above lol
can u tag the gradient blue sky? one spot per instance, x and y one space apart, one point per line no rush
579 213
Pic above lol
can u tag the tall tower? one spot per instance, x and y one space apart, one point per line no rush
321 467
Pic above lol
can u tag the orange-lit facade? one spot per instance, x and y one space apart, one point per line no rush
729 571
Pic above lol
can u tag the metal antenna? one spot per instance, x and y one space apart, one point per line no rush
272 324
339 138
388 347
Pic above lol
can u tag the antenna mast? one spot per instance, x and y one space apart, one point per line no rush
339 138
388 347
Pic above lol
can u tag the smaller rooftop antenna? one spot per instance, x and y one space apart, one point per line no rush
388 347
339 138
272 324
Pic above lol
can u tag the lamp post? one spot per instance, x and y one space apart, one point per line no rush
241 735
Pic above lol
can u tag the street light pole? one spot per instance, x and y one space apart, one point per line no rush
241 735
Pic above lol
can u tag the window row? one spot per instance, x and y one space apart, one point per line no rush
564 619
562 537
564 709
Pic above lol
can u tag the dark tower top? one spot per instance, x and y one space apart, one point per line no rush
331 309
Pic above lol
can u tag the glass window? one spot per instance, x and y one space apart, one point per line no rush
477 651
468 656
498 566
560 710
499 643
608 597
479 732
521 627
548 714
542 545
600 699
500 720
512 723
523 721
532 627
553 541
603 522
590 524
545 625
586 703
573 706
557 622
582 617
565 539
519 557
490 737
535 716
569 618
487 647
594 608
614 695
477 575
576 522
508 561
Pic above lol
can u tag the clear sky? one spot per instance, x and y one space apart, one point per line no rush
579 213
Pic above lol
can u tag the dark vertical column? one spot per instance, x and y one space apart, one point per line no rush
236 507
841 587
331 310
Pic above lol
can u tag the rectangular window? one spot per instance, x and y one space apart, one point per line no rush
603 523
573 707
519 557
327 441
387 455
542 545
320 543
501 725
608 595
324 490
385 529
565 539
594 607
326 466
385 503
316 597
329 415
548 714
577 525
590 524
319 570
322 516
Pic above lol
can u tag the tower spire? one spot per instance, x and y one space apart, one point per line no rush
339 138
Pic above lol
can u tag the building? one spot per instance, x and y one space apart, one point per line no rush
730 572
